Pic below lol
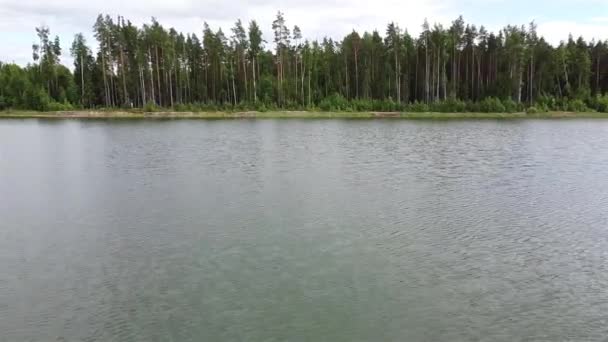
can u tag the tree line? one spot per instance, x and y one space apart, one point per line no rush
457 68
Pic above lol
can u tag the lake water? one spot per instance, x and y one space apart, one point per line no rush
312 230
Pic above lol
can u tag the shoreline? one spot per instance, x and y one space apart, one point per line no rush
84 114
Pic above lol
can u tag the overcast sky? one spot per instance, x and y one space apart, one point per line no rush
317 18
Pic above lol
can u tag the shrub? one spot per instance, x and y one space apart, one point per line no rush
180 107
448 106
546 103
37 99
58 106
532 110
418 107
150 107
577 106
491 105
363 105
601 103
261 107
333 102
472 107
387 105
510 106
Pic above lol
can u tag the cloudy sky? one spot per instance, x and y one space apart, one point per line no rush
317 18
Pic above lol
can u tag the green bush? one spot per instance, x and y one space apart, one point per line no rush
335 102
491 105
601 103
472 107
3 104
418 107
532 110
180 107
58 106
362 105
387 105
448 106
261 107
510 106
546 103
577 106
37 99
150 107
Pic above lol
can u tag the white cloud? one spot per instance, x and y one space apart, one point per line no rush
316 18
556 31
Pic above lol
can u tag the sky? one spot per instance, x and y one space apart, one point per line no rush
556 19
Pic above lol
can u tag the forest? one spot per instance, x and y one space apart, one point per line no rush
460 68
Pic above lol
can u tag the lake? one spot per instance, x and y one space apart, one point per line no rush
303 230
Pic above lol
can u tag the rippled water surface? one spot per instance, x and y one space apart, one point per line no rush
303 230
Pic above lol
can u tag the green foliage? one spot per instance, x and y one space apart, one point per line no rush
511 106
491 105
260 107
53 106
418 107
532 110
150 107
577 106
335 102
602 103
448 106
472 107
546 103
37 99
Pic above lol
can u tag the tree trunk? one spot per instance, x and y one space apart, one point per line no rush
233 83
152 85
105 80
124 79
397 87
170 88
81 79
143 86
160 94
356 75
597 74
255 88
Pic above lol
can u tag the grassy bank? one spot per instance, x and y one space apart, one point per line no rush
291 114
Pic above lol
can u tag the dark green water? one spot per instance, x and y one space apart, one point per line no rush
286 230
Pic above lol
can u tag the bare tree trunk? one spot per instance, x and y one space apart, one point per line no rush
81 79
438 73
233 83
356 75
427 71
454 67
520 82
416 77
170 88
124 79
597 74
255 88
303 72
296 73
445 81
160 94
397 85
152 85
143 86
105 80
309 77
